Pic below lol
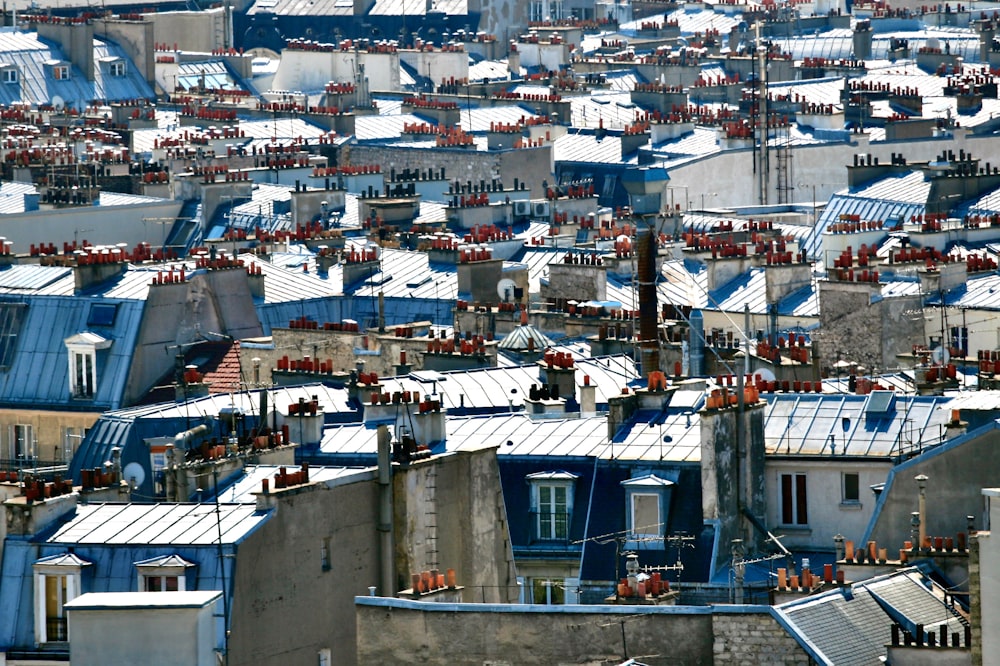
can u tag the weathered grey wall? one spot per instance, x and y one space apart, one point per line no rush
956 474
410 632
733 476
286 607
454 517
866 332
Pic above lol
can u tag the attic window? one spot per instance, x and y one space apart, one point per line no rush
82 349
8 74
117 68
647 507
11 318
60 72
163 574
102 314
880 403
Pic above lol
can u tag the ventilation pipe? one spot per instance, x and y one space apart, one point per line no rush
183 439
385 512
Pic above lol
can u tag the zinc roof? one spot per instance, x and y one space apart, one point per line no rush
250 482
152 524
802 424
37 85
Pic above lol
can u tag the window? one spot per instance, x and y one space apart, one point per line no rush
57 581
325 657
8 75
22 442
83 375
60 72
645 514
793 500
117 68
11 317
647 500
536 11
82 349
851 488
551 505
548 591
102 314
160 583
163 574
72 436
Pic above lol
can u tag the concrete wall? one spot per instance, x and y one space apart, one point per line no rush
287 607
152 635
955 472
984 593
822 167
312 70
201 31
828 515
100 225
410 632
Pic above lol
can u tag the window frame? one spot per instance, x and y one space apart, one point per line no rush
793 495
82 351
69 568
117 69
21 438
9 74
60 72
553 482
645 487
163 570
845 486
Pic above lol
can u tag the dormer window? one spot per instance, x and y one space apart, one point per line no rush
57 581
59 69
82 349
647 507
116 66
551 505
163 574
8 73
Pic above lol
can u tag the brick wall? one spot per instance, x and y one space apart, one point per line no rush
753 639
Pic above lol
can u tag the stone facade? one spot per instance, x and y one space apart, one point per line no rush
753 639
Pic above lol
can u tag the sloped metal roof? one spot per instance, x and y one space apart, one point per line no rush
802 424
750 289
36 84
250 482
418 7
853 629
588 148
154 524
517 340
40 353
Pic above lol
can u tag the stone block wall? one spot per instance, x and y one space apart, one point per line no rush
753 639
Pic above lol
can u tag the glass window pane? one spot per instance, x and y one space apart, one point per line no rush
645 514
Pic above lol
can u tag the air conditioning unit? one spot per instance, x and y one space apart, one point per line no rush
522 209
540 210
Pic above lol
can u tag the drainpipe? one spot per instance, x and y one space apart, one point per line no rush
385 512
921 480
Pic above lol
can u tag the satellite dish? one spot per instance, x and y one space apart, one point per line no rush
58 103
764 375
505 290
134 474
940 356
